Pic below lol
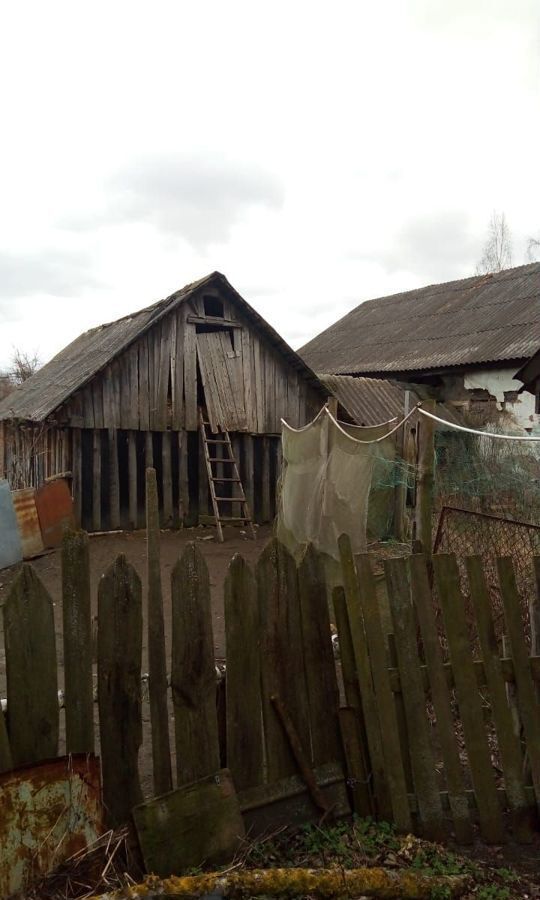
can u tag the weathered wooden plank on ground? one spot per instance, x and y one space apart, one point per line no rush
509 745
386 709
77 636
157 665
282 663
527 699
119 650
193 673
243 681
440 695
321 680
470 707
32 687
414 699
365 680
359 768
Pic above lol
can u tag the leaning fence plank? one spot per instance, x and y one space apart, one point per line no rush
77 628
414 699
509 745
243 680
119 649
386 708
193 673
282 664
361 657
157 664
440 695
321 680
352 723
527 700
32 688
470 707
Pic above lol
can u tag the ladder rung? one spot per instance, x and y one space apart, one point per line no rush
230 499
215 441
236 480
218 459
233 519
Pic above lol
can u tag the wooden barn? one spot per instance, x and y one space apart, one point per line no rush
137 392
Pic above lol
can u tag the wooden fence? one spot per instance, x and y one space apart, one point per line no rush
433 745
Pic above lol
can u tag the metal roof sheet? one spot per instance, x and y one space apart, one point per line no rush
487 318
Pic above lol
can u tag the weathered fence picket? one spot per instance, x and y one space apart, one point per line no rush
193 674
32 683
119 688
77 643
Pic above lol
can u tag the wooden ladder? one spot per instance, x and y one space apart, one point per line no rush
230 476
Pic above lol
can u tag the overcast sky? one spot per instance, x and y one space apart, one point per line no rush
319 154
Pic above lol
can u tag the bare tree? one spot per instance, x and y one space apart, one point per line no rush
533 249
22 365
497 254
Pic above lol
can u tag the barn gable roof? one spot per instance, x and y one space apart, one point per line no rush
483 319
77 363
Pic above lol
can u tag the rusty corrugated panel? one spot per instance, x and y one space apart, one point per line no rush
488 318
49 812
55 511
24 502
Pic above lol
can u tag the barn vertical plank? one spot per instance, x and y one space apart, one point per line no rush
96 480
470 707
258 381
97 400
166 451
32 687
321 680
414 698
527 699
204 509
148 450
440 694
183 475
247 374
144 400
364 678
282 663
394 764
133 388
178 405
190 376
76 468
119 651
159 717
163 352
243 682
509 745
88 407
265 500
193 669
133 500
77 636
249 473
114 480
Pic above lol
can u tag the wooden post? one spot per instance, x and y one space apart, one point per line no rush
400 490
161 750
426 465
96 480
114 480
167 479
183 497
132 479
76 468
77 621
119 688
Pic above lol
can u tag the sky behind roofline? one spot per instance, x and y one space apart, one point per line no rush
318 154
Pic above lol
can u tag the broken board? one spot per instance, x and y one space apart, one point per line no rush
197 823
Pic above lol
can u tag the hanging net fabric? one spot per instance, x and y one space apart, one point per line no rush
325 483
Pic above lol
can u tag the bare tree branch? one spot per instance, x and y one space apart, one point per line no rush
533 249
497 254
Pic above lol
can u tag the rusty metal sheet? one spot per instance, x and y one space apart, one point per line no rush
10 541
24 502
49 812
55 511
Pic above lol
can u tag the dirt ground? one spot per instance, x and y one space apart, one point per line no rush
103 550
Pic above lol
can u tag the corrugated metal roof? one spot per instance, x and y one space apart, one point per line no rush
77 363
371 401
488 318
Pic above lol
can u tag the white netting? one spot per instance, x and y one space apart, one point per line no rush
325 484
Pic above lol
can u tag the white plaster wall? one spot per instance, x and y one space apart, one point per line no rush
496 382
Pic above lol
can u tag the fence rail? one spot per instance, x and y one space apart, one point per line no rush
433 744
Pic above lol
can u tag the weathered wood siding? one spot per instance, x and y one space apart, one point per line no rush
154 384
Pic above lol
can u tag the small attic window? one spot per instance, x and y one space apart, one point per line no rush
213 306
